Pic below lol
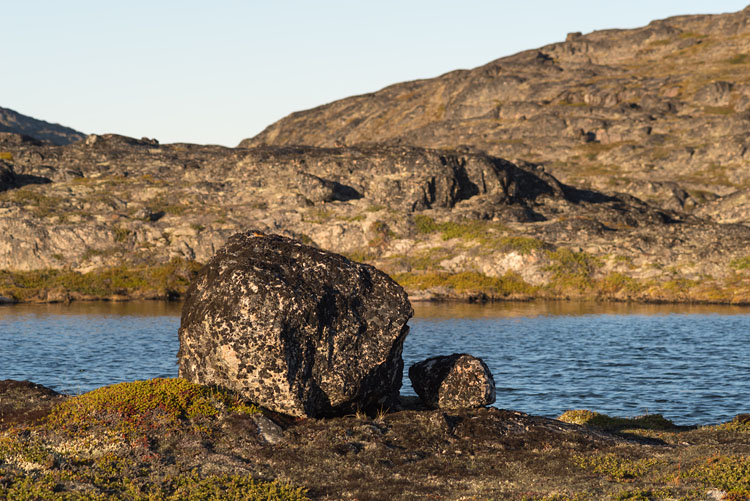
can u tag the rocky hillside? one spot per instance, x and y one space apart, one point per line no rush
113 216
12 121
661 112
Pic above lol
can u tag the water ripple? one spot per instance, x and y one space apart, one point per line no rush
690 367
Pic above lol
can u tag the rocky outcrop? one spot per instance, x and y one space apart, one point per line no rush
457 381
505 230
14 122
7 176
24 402
614 110
733 208
295 329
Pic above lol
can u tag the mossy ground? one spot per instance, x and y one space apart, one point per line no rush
171 439
158 281
118 442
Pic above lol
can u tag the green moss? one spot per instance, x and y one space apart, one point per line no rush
232 487
739 59
646 494
691 34
175 209
121 234
467 282
522 245
6 155
191 487
615 283
470 230
602 421
594 149
742 263
165 280
481 231
728 473
719 110
662 41
132 407
615 467
29 451
116 458
571 269
425 224
558 497
741 423
38 203
679 286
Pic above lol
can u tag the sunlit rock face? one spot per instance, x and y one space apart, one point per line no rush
295 329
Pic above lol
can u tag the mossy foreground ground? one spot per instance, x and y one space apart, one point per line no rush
171 439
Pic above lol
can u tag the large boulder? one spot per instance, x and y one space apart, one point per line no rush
453 382
293 328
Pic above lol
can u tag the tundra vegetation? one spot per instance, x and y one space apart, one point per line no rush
171 439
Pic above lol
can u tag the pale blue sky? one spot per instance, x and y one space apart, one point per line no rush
220 71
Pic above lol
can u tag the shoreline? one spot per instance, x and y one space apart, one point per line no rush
437 297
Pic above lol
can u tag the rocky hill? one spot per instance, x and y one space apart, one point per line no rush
12 121
117 217
661 112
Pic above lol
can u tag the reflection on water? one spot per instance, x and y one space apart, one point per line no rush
692 367
95 309
78 347
687 362
433 310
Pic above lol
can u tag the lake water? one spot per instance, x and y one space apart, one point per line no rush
688 363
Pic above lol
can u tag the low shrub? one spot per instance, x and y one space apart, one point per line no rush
603 422
140 405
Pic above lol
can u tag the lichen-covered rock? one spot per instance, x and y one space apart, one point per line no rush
453 382
293 328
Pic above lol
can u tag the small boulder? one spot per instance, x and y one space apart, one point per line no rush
295 329
455 381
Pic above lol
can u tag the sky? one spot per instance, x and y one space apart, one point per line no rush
218 72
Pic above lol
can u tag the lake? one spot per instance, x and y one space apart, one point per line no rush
689 363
